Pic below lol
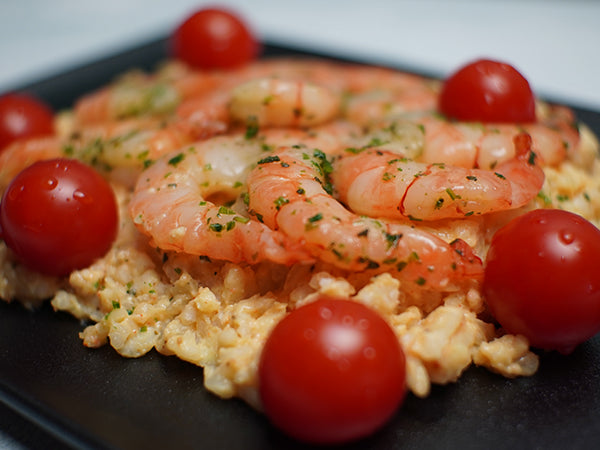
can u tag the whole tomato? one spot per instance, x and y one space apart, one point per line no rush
214 38
542 278
331 371
488 91
58 215
23 116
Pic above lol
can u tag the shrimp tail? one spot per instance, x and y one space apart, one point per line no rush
469 263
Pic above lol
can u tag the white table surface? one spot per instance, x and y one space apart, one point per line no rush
554 43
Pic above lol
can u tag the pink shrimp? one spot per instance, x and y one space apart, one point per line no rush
179 203
487 145
381 184
290 192
139 94
375 92
20 154
119 149
275 102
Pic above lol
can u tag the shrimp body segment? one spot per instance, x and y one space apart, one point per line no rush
274 102
290 192
178 202
381 184
23 153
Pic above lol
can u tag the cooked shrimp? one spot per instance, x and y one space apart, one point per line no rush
120 150
376 92
207 115
275 102
140 94
435 139
484 146
180 203
128 144
289 191
381 184
20 154
332 138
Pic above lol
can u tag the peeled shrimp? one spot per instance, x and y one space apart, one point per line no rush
374 92
20 154
381 184
140 94
180 203
485 146
290 192
274 102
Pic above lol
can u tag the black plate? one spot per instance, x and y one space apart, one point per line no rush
97 399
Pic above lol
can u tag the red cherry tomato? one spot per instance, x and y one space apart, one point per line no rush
22 116
214 38
542 278
331 371
58 215
488 91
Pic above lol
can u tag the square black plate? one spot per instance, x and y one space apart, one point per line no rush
97 399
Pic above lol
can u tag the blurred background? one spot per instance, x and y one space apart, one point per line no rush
553 42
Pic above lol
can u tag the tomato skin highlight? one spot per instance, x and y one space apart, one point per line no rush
23 116
542 279
331 371
487 91
214 38
58 215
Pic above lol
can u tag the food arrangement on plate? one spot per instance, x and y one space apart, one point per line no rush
260 218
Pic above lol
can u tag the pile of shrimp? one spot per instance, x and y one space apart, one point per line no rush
246 193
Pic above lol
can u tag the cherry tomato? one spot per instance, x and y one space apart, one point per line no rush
488 91
214 38
331 371
22 116
58 215
542 278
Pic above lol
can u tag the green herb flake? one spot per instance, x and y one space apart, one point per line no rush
241 219
251 128
269 159
217 227
315 218
387 176
280 201
452 194
544 198
531 159
392 239
175 160
226 211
